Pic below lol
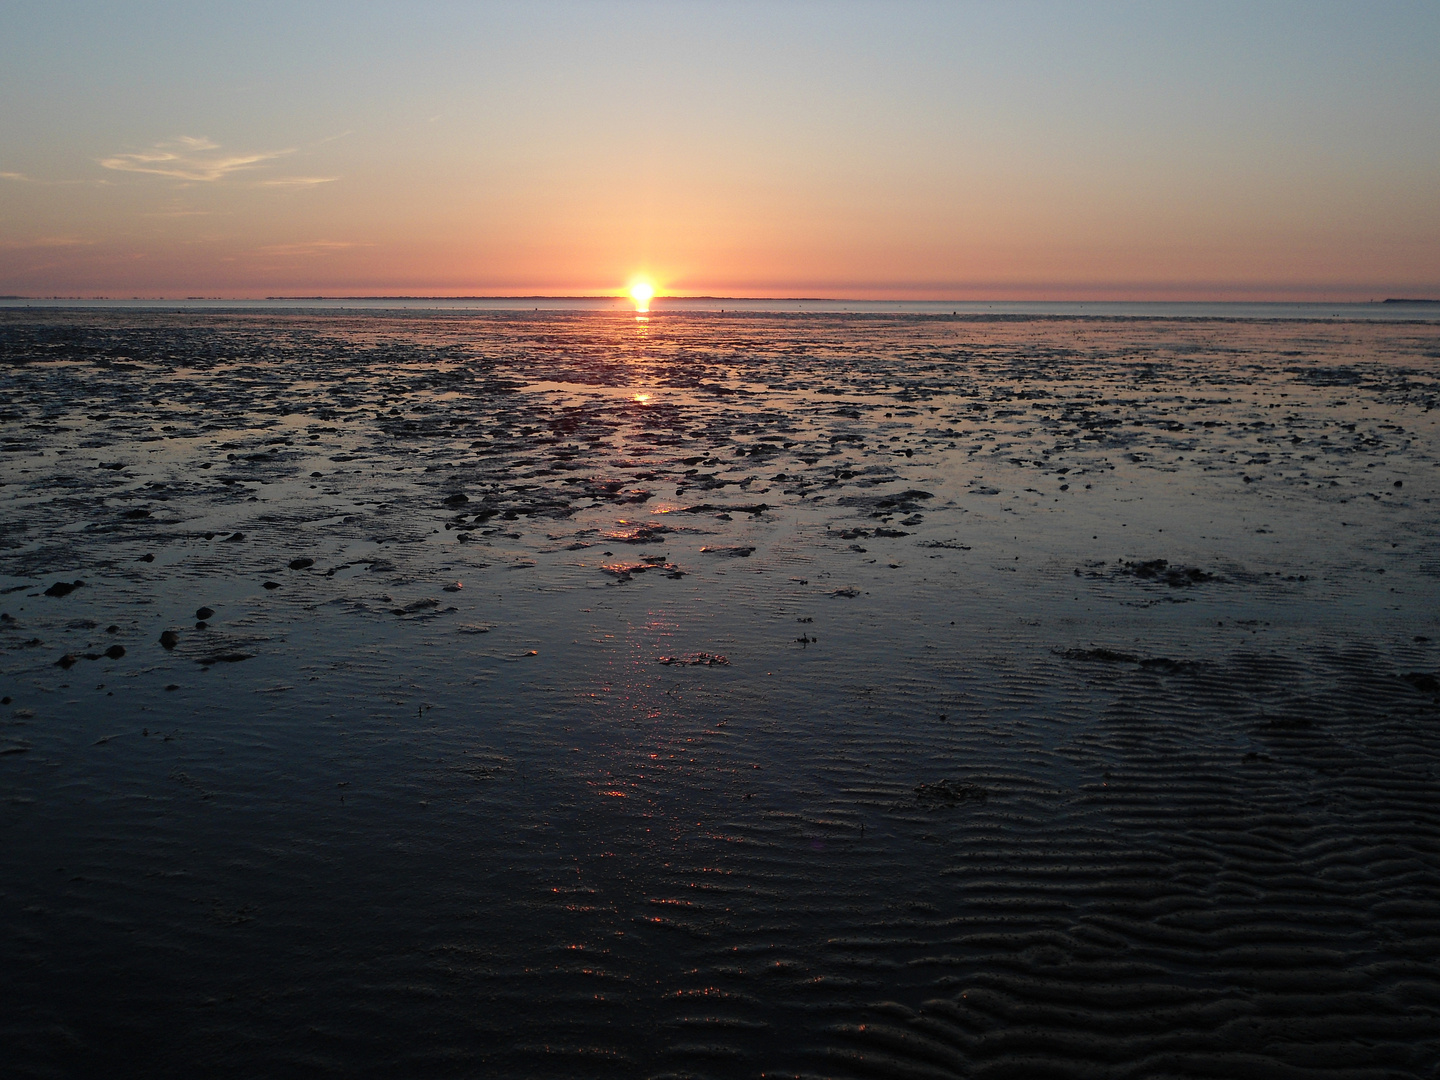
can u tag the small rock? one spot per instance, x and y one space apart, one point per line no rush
67 661
202 625
172 686
112 629
169 639
456 587
147 557
271 585
204 612
694 659
301 564
1107 656
137 514
115 652
943 793
63 588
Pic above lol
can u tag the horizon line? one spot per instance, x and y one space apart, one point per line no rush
622 299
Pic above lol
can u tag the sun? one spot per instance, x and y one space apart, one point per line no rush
642 292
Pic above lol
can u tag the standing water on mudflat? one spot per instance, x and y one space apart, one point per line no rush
566 694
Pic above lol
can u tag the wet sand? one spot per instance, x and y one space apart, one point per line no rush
559 694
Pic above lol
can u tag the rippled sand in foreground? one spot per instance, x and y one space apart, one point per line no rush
718 696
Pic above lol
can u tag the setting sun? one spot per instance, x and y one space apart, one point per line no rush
641 292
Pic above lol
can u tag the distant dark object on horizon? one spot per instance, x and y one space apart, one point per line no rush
1392 300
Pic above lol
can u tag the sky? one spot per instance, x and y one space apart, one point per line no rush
1121 151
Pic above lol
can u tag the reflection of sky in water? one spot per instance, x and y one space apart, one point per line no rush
739 848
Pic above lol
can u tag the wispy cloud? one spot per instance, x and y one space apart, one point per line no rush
311 247
186 158
44 242
22 178
298 181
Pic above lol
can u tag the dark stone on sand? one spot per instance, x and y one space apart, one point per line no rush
1175 576
700 659
944 793
147 557
112 629
169 639
1108 656
300 564
1422 681
233 538
136 515
271 585
202 625
67 661
172 686
224 658
204 612
63 588
456 500
890 532
115 652
4 701
1289 723
738 552
847 593
1166 665
900 501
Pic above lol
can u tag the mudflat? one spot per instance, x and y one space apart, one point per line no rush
566 694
